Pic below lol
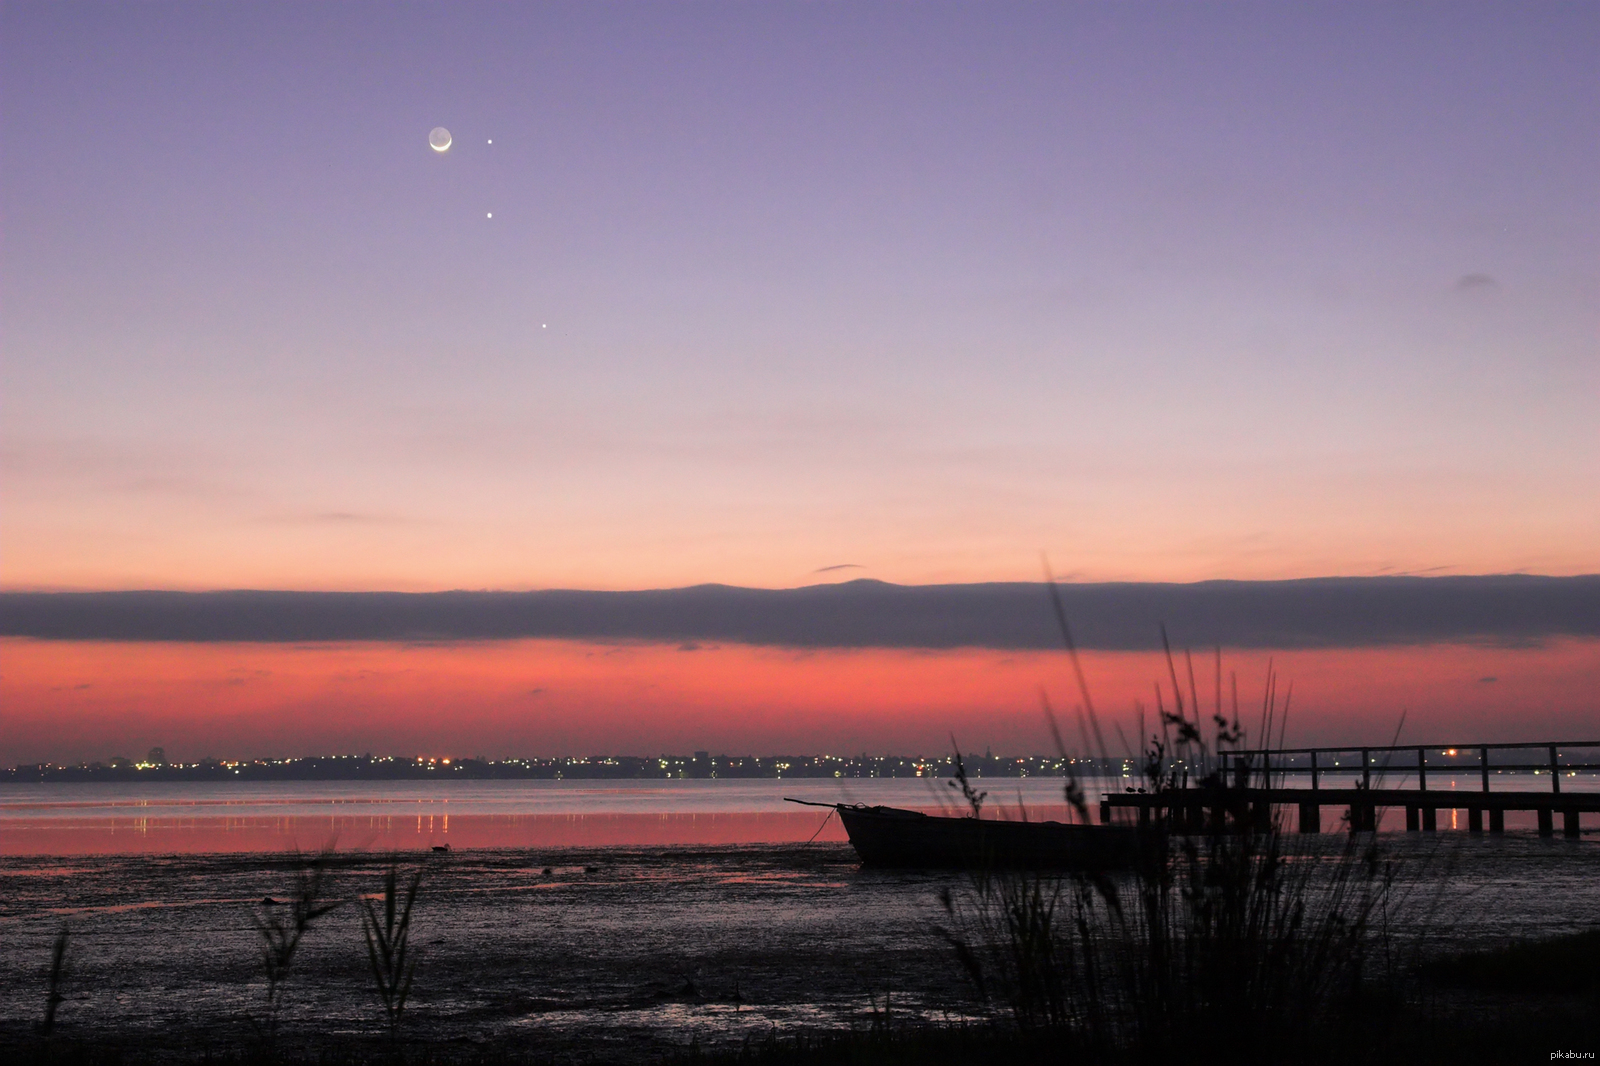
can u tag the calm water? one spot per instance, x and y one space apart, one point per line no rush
703 916
158 819
166 818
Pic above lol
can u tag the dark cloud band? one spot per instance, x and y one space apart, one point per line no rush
1324 612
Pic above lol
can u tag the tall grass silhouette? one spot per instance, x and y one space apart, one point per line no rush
1225 939
54 979
1229 938
281 928
388 935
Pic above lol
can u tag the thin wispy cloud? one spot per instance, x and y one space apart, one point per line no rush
337 518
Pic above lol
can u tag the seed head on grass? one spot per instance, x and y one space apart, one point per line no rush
973 797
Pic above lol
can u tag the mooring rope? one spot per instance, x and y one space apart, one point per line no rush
823 825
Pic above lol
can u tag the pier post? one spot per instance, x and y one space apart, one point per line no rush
1497 820
1366 767
1363 818
1474 819
1313 771
1430 819
1412 825
1569 822
1105 812
1422 769
1483 765
1555 771
1310 818
1547 826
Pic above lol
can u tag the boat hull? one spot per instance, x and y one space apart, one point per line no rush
891 837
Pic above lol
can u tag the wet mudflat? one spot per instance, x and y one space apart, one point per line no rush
611 954
616 954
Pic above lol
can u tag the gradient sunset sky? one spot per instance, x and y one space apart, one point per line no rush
772 295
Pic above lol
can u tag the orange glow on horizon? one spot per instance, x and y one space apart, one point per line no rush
70 702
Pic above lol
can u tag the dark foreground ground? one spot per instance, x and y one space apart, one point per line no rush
582 955
760 954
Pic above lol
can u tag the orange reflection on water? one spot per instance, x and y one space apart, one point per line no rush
202 835
170 836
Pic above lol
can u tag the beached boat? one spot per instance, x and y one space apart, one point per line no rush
890 836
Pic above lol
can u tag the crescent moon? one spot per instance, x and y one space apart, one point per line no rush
439 139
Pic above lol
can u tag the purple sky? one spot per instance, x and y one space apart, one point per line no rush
1169 291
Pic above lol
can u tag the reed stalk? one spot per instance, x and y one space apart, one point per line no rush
388 931
54 980
282 927
1230 938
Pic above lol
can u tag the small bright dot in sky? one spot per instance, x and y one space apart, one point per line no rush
491 140
544 325
490 214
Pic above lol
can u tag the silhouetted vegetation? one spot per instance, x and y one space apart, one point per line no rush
282 926
1225 941
53 981
388 937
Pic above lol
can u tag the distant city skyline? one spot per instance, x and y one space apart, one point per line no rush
700 765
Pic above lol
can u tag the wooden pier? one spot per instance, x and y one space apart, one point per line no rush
1260 785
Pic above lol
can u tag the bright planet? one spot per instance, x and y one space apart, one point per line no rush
439 139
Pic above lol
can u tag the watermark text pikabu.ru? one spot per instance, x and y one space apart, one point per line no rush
1554 1055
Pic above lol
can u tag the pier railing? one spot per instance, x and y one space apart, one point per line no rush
1260 782
1454 759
